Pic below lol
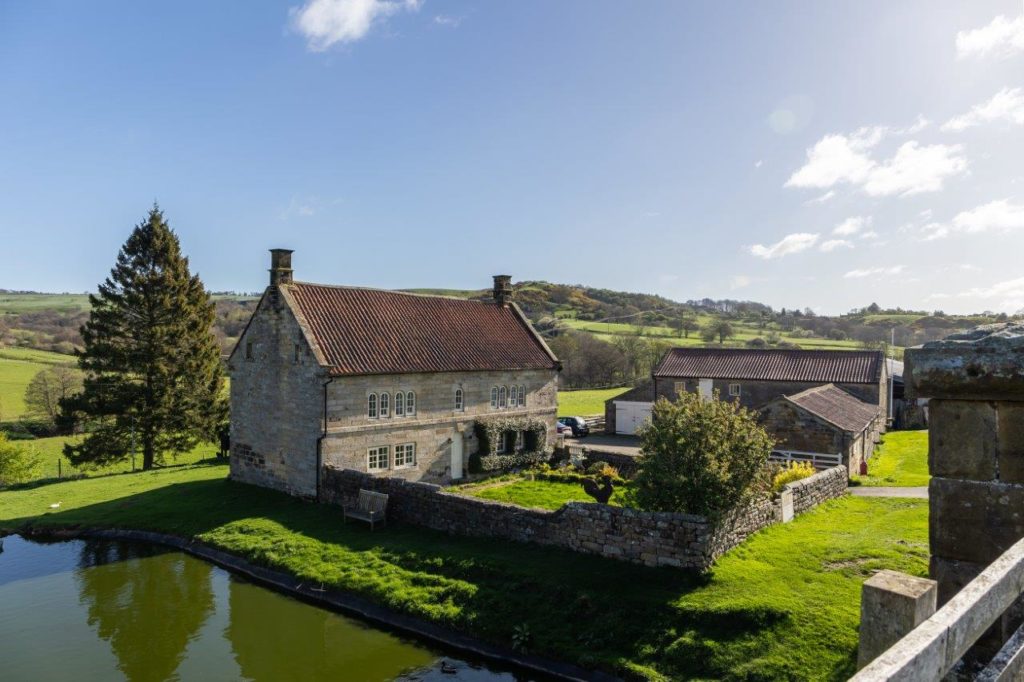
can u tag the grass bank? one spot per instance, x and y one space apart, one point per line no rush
17 367
782 606
585 403
901 461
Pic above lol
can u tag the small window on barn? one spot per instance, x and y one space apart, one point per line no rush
410 403
371 406
494 397
734 390
377 458
385 404
399 404
248 350
298 352
459 398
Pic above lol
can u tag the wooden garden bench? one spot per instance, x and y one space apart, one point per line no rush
370 507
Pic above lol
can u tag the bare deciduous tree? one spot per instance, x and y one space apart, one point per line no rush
48 388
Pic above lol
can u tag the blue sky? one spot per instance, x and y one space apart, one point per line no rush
824 154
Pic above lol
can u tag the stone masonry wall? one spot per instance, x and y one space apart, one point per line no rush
435 424
276 402
975 381
650 538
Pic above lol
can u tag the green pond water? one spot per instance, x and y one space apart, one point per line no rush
100 610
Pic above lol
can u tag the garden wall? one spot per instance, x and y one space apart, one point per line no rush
650 538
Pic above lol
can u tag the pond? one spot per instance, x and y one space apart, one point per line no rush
99 610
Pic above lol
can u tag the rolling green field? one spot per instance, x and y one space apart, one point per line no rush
610 330
50 450
32 303
784 605
17 367
901 460
585 403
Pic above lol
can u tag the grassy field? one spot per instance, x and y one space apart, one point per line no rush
32 303
50 450
901 460
539 494
782 606
585 403
610 330
17 367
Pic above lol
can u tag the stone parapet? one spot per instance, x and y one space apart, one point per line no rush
986 363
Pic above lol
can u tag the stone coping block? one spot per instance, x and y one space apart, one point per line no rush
985 363
892 604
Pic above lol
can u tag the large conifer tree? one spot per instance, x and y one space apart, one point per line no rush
152 364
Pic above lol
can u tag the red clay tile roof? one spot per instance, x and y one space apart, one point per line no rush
373 331
836 406
838 366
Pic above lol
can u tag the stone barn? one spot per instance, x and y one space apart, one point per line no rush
825 420
384 382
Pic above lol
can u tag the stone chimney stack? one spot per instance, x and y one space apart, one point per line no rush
280 267
502 289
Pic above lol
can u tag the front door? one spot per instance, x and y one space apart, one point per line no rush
707 388
457 457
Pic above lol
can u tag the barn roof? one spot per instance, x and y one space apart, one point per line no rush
374 331
836 406
825 366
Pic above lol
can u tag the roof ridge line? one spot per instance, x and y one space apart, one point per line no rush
387 291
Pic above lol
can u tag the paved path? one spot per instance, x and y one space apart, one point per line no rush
870 491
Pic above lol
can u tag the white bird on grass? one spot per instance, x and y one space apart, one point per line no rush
55 505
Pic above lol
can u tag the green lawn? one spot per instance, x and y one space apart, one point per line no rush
50 450
541 494
784 605
901 460
585 403
17 367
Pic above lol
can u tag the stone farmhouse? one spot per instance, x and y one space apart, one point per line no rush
817 401
384 382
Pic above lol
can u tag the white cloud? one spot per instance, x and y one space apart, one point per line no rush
933 231
833 244
822 199
327 22
1005 105
1010 293
1002 37
838 158
874 272
916 169
739 282
870 234
790 244
446 20
851 225
998 215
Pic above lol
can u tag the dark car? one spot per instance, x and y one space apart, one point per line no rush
578 426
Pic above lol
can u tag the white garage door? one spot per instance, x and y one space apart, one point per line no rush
630 416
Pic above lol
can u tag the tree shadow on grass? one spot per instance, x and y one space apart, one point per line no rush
584 609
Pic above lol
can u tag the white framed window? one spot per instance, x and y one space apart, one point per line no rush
522 396
377 458
502 397
520 440
399 404
734 390
405 455
494 397
505 441
371 406
459 404
410 403
385 404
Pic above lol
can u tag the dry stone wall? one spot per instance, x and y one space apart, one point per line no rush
650 538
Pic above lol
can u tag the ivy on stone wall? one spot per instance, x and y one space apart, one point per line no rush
489 433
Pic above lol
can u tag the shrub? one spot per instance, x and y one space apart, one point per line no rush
17 462
794 471
490 432
699 456
600 468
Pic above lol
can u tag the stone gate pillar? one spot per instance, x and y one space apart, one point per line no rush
975 382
